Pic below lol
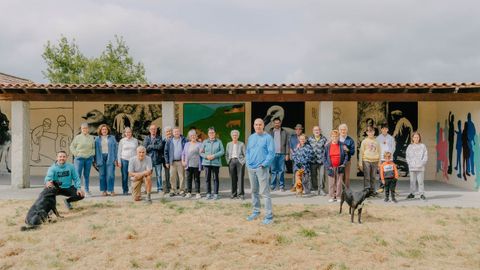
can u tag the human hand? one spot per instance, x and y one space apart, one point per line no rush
81 193
49 184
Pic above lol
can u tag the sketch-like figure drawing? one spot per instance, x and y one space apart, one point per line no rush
337 117
64 135
124 119
5 141
38 133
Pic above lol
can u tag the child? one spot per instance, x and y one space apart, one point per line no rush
369 159
389 176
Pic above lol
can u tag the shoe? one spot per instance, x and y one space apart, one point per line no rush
104 193
422 197
322 193
198 196
282 190
410 196
208 197
331 200
267 221
215 197
233 197
171 194
394 200
380 190
189 195
112 194
148 201
253 216
386 199
182 193
68 204
125 193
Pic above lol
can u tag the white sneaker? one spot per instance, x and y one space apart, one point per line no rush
331 200
198 196
189 195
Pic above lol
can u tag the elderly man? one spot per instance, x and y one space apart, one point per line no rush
280 139
140 170
259 156
349 147
166 179
318 142
65 173
154 146
173 161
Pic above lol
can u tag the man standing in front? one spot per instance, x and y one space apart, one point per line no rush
318 142
154 146
280 139
259 156
65 173
173 161
139 170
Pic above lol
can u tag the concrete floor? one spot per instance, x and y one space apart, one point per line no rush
437 193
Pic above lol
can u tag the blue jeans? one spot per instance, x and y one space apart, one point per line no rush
278 171
84 165
259 178
107 175
158 173
124 175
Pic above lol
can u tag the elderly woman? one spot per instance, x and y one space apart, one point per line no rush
192 162
336 158
302 158
106 155
235 156
127 149
83 149
211 152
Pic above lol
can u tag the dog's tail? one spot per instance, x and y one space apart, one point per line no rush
28 228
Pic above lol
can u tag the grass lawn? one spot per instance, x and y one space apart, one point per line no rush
204 235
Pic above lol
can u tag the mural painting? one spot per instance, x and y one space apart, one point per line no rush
402 122
50 134
464 140
223 117
291 113
370 114
5 143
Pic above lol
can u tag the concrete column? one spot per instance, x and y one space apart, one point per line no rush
20 177
325 117
168 115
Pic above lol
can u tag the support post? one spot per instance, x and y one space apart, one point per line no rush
20 177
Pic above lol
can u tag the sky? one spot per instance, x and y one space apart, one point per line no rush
243 41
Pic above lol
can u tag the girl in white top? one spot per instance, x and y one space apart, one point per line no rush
417 157
127 149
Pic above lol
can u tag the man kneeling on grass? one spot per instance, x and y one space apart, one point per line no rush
65 172
139 170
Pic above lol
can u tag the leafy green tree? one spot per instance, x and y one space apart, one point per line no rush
66 64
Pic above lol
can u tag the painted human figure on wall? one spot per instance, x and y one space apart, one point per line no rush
458 147
64 135
466 151
38 133
451 136
5 141
471 132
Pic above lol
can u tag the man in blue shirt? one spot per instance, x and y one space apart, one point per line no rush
65 173
259 156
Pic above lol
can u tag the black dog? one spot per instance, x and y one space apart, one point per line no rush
40 211
354 200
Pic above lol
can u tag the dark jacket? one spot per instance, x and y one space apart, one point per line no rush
283 140
350 143
154 149
328 162
169 149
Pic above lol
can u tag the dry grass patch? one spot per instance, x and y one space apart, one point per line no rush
215 235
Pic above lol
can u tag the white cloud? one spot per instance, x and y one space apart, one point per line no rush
256 41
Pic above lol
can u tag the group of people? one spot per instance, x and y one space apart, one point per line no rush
264 157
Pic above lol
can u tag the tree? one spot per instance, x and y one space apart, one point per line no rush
66 64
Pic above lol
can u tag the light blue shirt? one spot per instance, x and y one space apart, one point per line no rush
177 149
260 150
64 173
